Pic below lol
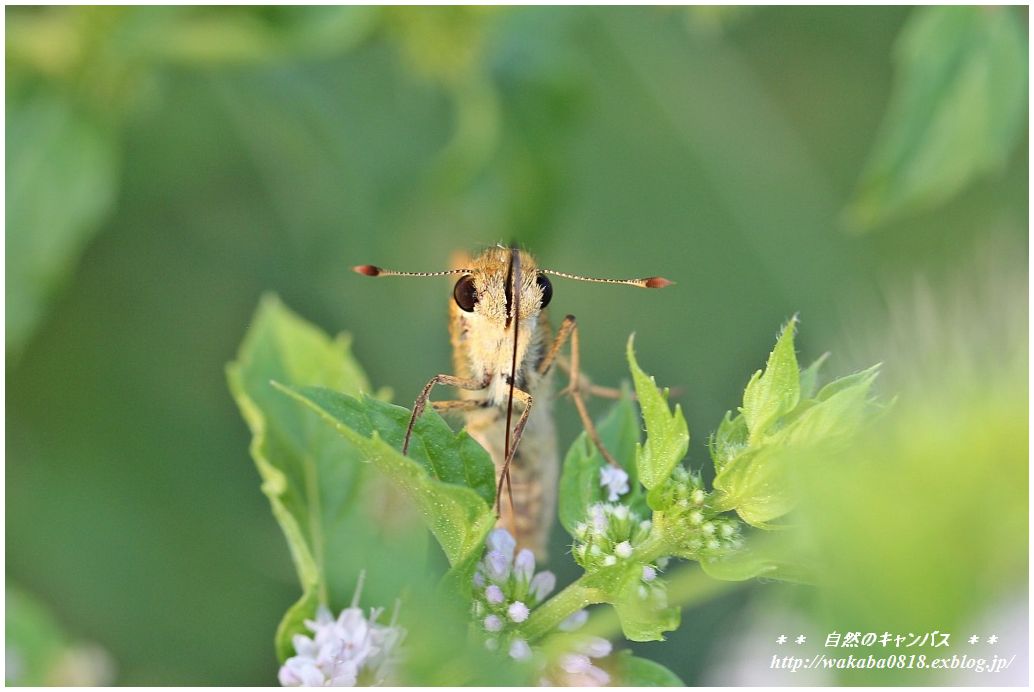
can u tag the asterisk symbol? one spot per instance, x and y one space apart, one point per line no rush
781 639
801 639
974 639
992 639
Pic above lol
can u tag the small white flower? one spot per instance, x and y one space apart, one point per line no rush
542 584
576 667
697 496
598 517
493 623
575 663
695 517
500 540
519 650
649 573
518 611
595 647
498 566
524 565
301 672
574 621
621 512
623 550
609 561
615 480
578 671
728 530
708 528
494 595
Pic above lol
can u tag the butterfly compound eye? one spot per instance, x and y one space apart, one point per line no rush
465 295
547 288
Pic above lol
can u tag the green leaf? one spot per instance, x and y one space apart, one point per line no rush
457 515
756 480
765 556
40 653
644 618
956 112
775 392
810 377
864 378
580 478
632 671
667 435
311 476
728 440
842 407
62 178
33 639
757 485
449 457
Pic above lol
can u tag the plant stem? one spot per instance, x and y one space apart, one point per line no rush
546 617
686 587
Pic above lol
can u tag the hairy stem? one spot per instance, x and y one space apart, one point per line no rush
546 617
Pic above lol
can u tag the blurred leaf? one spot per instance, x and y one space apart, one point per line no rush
632 671
810 376
765 556
438 648
62 178
457 515
956 112
926 518
840 409
33 640
38 652
580 479
309 474
667 435
865 378
206 39
776 392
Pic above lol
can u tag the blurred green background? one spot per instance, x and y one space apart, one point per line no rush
166 166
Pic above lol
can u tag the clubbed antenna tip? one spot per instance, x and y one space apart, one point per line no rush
657 282
367 270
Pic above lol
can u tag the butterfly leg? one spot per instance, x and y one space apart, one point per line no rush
569 330
458 405
526 400
421 401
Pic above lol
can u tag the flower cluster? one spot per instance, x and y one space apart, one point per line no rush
506 588
343 652
687 505
609 536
